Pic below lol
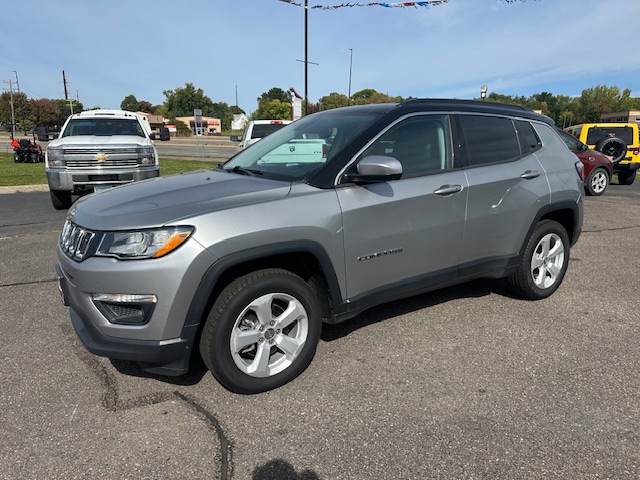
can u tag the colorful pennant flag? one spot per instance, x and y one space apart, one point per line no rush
425 4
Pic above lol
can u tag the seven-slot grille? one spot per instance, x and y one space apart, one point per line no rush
75 240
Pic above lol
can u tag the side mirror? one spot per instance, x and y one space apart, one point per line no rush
234 138
376 168
152 136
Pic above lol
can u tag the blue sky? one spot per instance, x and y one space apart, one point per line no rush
115 48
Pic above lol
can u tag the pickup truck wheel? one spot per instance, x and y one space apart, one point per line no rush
261 332
597 182
61 199
626 177
544 262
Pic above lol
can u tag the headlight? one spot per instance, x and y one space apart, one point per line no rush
144 243
55 157
146 156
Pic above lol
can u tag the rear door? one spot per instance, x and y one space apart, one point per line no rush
507 187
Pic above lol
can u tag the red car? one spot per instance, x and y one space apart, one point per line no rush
598 168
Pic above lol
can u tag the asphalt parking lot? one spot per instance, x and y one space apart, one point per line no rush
467 382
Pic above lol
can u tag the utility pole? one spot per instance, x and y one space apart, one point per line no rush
66 93
306 59
13 116
350 63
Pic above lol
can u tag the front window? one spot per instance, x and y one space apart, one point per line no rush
302 147
103 127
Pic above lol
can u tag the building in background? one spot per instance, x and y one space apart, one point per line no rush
208 125
632 116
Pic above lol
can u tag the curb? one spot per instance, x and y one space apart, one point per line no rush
24 189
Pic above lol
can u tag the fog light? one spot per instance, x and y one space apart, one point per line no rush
125 309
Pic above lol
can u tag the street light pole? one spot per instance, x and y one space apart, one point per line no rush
350 64
17 83
306 57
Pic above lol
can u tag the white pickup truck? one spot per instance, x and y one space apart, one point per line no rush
98 149
257 129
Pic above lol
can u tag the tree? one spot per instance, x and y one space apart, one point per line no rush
225 113
144 106
602 99
369 95
334 100
130 103
44 113
181 102
272 110
275 94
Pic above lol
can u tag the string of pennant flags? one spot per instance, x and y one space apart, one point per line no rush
425 4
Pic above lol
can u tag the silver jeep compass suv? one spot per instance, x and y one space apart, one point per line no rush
334 213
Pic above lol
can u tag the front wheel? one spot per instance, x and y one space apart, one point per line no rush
262 331
597 182
626 177
60 199
544 262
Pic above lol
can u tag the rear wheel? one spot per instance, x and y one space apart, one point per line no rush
597 182
60 199
626 177
544 262
262 331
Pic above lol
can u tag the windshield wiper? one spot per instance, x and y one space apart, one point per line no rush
245 171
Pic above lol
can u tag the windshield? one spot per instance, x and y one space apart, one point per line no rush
104 127
302 147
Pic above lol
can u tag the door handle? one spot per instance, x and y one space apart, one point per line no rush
529 174
445 190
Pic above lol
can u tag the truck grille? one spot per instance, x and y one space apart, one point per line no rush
126 162
96 151
75 240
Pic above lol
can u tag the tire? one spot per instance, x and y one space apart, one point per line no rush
626 177
262 331
612 147
597 182
16 157
544 262
60 199
34 157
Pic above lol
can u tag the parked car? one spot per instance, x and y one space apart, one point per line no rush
244 263
598 168
620 141
99 149
257 130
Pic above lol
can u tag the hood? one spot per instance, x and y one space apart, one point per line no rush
99 140
173 199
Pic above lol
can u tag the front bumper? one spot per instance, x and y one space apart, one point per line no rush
165 342
72 180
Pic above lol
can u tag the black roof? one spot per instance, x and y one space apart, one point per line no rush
444 104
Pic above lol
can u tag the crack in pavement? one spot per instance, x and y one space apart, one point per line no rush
112 403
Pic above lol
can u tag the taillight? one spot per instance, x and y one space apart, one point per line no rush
324 150
636 151
580 170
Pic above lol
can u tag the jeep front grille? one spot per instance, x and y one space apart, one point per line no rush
75 240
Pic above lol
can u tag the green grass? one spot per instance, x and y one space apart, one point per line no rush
12 173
